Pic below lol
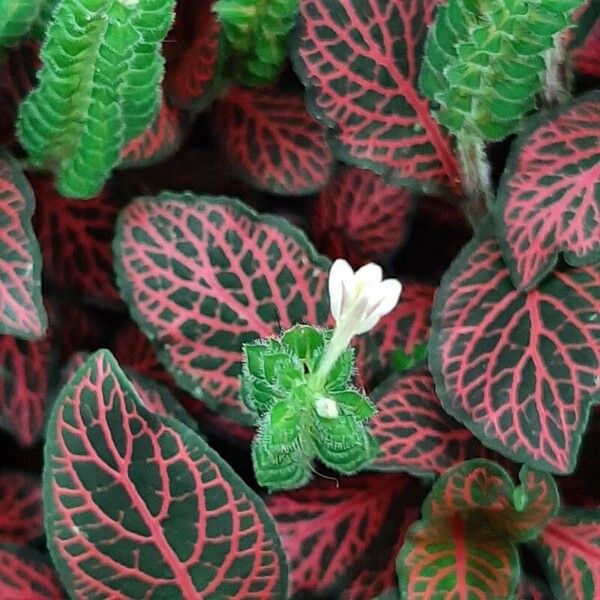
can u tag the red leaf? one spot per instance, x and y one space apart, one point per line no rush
157 143
360 218
76 237
81 328
24 376
204 275
134 350
21 309
21 519
569 549
190 81
25 575
414 432
587 58
519 369
332 534
404 328
277 146
138 505
360 61
549 198
529 590
17 79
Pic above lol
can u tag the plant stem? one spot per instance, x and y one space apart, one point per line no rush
476 176
558 76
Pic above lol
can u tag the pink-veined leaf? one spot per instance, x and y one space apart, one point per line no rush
21 311
157 143
414 432
139 506
21 518
532 590
24 380
191 79
519 369
465 544
344 538
203 275
17 79
359 61
359 217
402 329
25 575
272 140
154 396
569 549
75 237
549 197
587 58
444 562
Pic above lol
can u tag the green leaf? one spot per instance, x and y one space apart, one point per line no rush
483 62
355 403
17 18
256 32
85 109
138 505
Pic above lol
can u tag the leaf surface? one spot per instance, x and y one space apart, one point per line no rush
359 61
21 311
21 518
203 275
519 369
272 140
549 198
359 217
138 505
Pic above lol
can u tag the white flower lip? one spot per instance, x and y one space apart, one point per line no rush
362 296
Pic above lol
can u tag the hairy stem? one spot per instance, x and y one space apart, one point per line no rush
476 176
558 76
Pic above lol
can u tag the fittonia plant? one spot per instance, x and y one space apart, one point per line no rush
301 385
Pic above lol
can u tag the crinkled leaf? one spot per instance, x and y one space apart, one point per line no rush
346 536
156 143
21 518
21 311
25 370
549 198
18 17
26 575
272 140
75 238
204 275
414 432
359 217
97 105
138 505
359 61
519 369
191 80
569 549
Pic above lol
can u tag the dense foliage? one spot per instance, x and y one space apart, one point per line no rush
300 299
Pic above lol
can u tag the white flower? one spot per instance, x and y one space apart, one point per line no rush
327 408
362 297
358 300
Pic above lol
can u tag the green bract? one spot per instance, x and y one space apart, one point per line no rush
279 386
256 31
484 61
97 89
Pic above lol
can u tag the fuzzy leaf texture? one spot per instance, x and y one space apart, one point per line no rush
256 31
98 88
280 385
18 16
483 61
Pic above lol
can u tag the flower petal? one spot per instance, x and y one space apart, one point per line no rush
369 275
340 276
390 291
